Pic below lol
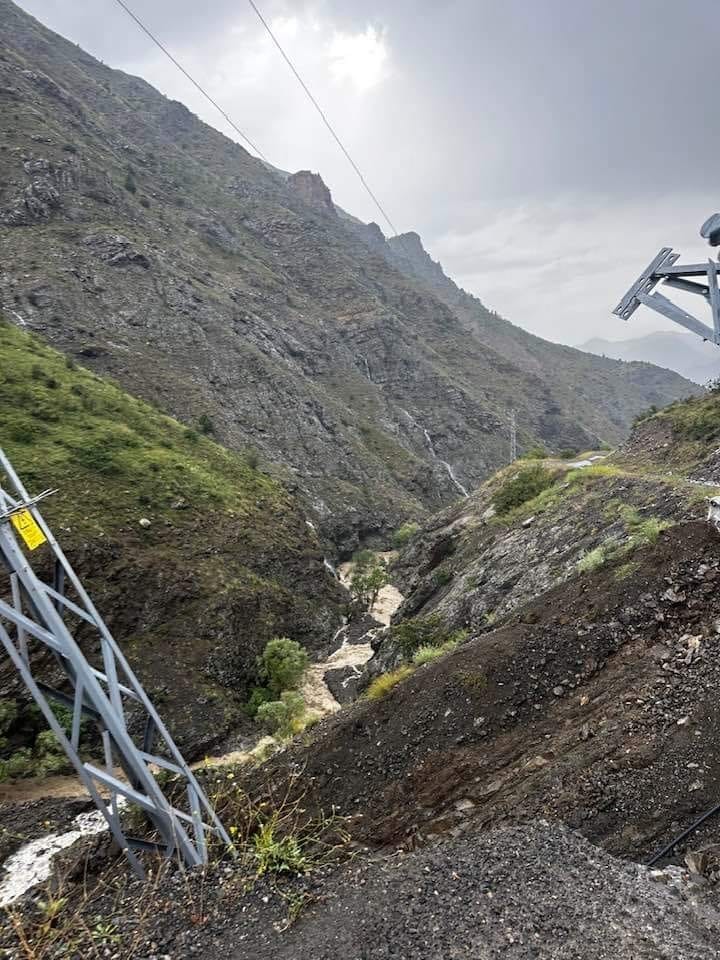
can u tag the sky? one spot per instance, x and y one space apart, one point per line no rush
543 149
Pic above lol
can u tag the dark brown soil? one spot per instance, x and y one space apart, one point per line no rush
590 706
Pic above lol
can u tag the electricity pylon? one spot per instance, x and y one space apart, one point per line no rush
42 619
664 268
513 437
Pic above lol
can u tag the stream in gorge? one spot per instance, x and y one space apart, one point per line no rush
32 863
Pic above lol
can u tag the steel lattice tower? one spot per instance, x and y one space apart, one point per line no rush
37 618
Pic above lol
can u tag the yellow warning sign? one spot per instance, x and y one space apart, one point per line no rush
25 524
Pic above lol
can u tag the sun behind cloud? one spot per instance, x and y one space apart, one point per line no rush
361 58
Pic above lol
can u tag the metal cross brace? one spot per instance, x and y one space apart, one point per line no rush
36 617
665 269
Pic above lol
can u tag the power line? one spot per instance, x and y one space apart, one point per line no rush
194 82
325 120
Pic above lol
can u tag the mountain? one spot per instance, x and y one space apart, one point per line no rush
195 557
151 248
686 354
540 721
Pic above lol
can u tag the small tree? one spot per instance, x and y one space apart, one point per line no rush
282 665
367 582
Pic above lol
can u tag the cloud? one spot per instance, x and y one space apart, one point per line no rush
360 58
560 268
544 149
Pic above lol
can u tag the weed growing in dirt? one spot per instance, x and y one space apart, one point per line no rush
382 685
626 570
427 653
472 679
593 560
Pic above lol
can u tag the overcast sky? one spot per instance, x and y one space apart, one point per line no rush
543 149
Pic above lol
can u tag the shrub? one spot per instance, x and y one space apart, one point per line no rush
536 452
282 664
382 685
524 486
258 696
568 454
405 533
645 414
252 458
205 424
69 148
280 717
130 184
429 631
144 202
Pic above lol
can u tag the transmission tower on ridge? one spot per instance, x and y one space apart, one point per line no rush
37 628
513 437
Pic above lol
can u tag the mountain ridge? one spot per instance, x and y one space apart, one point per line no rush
152 248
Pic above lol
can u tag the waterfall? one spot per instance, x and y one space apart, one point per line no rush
367 367
330 567
448 469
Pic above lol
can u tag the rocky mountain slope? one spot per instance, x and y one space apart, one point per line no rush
485 791
150 247
223 561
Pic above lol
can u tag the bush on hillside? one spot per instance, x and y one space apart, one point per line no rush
282 664
524 486
645 414
405 533
536 452
280 717
418 632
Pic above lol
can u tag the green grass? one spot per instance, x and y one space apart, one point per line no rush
382 685
113 457
428 652
694 419
593 559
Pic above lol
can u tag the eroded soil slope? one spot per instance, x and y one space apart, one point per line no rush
594 704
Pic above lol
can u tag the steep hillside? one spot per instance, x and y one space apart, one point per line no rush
226 562
149 246
551 707
577 381
688 355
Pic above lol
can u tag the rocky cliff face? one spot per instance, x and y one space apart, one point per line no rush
312 191
147 244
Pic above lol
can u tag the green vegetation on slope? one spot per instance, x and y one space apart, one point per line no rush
226 562
63 425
